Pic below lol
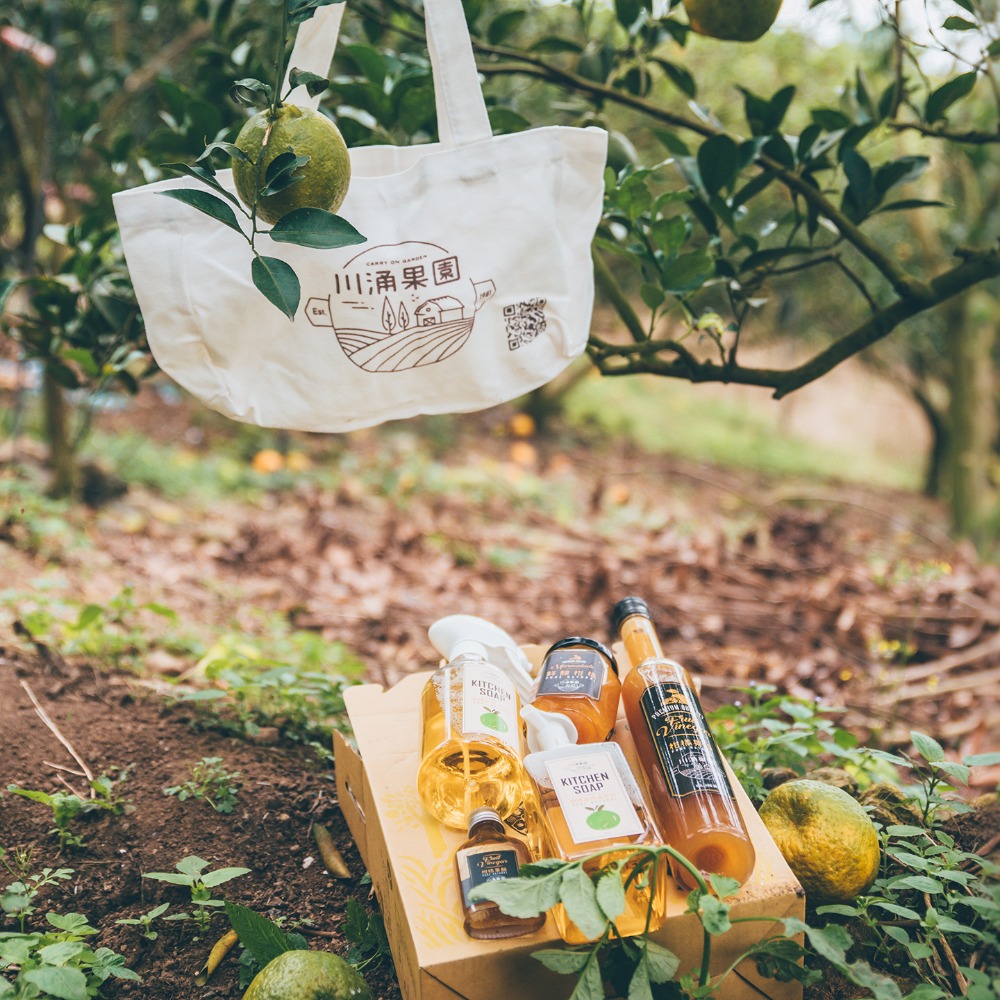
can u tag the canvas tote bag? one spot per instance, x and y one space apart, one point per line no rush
474 287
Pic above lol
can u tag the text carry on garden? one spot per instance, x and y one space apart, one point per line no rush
475 284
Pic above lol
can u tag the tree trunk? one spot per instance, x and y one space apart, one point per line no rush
62 461
971 412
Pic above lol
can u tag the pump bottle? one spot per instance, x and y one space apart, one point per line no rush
689 788
591 804
472 740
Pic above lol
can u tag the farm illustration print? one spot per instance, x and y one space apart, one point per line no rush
400 306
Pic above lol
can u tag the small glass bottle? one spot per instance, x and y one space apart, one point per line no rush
487 856
579 679
688 786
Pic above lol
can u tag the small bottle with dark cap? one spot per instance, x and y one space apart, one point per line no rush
487 856
689 790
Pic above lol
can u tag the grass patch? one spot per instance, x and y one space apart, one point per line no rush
667 416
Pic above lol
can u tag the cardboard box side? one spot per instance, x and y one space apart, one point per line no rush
349 774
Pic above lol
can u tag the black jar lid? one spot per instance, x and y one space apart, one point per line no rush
625 607
580 640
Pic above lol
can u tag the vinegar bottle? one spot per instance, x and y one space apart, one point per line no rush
689 789
488 855
472 739
579 680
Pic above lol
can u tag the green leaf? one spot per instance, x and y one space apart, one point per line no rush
638 986
947 94
921 883
169 877
263 938
627 12
212 879
688 272
191 865
680 77
280 173
662 962
577 894
207 203
718 163
960 24
982 759
504 25
277 282
522 897
610 894
313 82
60 952
927 747
562 961
504 121
253 93
316 228
714 915
226 147
590 985
62 982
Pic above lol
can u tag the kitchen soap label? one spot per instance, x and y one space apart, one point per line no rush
592 796
688 755
476 867
489 704
573 671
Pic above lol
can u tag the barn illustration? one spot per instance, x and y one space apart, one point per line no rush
400 306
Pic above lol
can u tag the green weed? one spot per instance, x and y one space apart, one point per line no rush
210 782
192 875
146 921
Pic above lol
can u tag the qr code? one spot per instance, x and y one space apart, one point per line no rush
525 321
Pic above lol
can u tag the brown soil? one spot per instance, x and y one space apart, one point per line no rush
748 580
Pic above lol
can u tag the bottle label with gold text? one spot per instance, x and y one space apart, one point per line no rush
477 865
688 755
489 704
573 671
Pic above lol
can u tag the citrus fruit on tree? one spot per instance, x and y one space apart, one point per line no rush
827 838
323 181
308 975
732 20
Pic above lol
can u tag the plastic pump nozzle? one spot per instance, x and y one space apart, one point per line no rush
547 730
454 635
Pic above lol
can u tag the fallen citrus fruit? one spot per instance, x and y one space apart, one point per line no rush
827 838
323 181
732 20
308 975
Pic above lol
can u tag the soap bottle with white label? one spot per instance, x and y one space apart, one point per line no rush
472 738
591 804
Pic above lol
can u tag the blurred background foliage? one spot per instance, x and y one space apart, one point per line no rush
829 191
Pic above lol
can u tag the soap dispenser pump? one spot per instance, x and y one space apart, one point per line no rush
472 741
592 807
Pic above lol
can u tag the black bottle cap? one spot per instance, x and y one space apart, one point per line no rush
580 640
625 607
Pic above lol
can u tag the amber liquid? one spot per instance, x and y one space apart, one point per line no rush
484 919
703 824
459 773
639 890
594 720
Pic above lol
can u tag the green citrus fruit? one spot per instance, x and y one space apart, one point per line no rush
827 838
324 179
308 975
732 20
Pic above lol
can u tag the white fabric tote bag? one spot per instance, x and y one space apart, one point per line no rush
474 287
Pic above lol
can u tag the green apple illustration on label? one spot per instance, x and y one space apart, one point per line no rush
603 819
492 720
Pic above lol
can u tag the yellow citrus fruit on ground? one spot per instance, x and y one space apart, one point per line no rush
732 20
827 838
324 179
308 975
268 460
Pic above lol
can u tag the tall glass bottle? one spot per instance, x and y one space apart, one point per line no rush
689 789
488 855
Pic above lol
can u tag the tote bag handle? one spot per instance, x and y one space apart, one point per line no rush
461 109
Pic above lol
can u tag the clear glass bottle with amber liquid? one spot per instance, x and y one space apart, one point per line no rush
579 679
487 856
690 791
592 808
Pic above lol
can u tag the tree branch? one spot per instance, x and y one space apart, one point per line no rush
971 138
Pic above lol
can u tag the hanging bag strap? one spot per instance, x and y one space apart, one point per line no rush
458 97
